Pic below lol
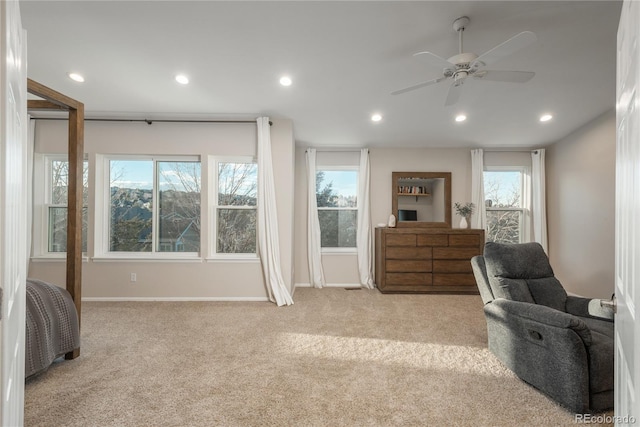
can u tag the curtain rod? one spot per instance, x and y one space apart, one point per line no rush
509 150
151 121
340 149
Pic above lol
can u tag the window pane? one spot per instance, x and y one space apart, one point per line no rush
60 179
130 205
179 207
237 184
338 228
503 226
337 188
58 229
236 231
503 188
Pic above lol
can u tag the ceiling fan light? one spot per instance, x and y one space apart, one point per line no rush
376 117
76 77
285 81
460 118
546 117
182 79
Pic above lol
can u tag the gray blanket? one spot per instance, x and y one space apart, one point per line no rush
52 328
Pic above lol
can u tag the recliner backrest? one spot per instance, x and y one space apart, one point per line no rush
521 272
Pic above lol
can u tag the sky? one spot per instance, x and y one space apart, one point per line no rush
506 181
345 182
139 174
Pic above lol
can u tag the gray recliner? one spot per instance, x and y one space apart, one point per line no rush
562 345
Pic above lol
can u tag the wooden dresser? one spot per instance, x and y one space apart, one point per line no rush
426 260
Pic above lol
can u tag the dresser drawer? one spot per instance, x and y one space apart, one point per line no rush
433 240
401 240
464 240
420 279
455 253
408 266
407 252
454 280
452 266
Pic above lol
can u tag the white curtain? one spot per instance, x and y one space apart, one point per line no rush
538 196
31 141
364 240
268 241
479 217
316 274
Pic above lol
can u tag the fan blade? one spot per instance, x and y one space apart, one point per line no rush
454 93
504 49
418 86
505 76
435 60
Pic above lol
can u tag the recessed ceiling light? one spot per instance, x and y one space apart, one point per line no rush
546 117
285 81
376 117
182 79
461 118
76 77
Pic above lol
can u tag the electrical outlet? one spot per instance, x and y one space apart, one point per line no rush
133 277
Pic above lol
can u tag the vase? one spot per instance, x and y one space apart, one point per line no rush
464 223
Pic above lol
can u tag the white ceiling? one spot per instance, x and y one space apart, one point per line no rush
345 58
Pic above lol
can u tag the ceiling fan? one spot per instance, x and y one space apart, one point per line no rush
463 65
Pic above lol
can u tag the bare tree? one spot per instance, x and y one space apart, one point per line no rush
503 222
237 214
59 186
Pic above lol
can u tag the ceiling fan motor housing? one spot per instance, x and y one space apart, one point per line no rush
461 23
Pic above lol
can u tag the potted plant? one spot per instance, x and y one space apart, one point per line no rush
465 212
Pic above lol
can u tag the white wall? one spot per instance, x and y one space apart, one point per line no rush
176 279
580 208
580 203
342 269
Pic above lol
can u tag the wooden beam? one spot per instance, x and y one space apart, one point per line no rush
51 95
74 210
56 100
39 104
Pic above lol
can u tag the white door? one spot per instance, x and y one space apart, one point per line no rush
627 329
13 208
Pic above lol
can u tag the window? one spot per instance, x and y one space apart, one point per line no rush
235 206
154 205
55 206
336 194
506 213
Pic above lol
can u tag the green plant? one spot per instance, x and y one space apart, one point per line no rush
464 210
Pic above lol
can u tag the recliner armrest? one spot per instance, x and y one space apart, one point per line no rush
587 307
542 314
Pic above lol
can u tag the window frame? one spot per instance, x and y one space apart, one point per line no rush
42 202
213 166
103 209
524 228
340 250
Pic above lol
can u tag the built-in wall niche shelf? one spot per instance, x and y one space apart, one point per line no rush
422 199
413 190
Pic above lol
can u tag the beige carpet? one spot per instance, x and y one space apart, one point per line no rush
335 358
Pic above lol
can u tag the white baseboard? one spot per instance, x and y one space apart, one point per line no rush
329 285
173 299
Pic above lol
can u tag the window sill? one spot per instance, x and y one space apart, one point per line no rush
234 259
338 251
147 258
54 258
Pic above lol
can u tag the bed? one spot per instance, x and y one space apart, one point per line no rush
52 328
